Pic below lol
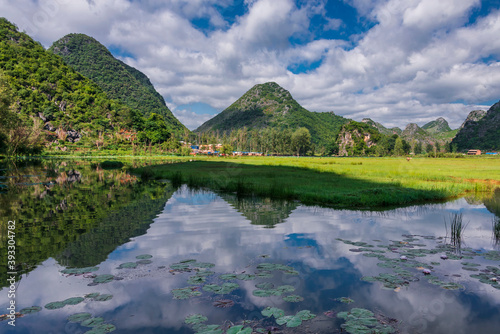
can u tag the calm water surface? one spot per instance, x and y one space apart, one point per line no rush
73 214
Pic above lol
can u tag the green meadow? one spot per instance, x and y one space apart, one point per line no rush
337 182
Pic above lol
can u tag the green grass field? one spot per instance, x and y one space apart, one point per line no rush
337 182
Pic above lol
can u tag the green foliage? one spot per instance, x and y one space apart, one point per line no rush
155 130
119 80
301 140
41 83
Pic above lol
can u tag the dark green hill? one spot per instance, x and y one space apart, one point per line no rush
117 79
480 132
270 106
42 85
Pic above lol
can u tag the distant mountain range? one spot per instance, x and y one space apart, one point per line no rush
77 85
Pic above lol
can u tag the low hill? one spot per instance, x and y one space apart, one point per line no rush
119 80
480 131
271 106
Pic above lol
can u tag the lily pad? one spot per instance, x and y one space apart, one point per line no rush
144 262
103 298
101 329
245 277
285 288
239 330
92 322
227 276
79 271
273 311
266 293
290 321
185 293
144 256
92 295
79 317
293 299
179 266
265 285
188 261
127 265
196 280
345 300
202 265
30 310
195 319
73 301
105 278
305 315
54 305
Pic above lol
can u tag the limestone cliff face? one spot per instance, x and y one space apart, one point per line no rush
481 130
355 140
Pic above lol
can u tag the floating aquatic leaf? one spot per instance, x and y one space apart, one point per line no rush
305 315
290 272
362 321
30 310
188 261
101 329
227 276
144 262
92 295
196 280
73 301
289 320
79 271
239 330
79 317
285 288
179 266
205 273
345 300
185 293
266 293
470 268
92 322
55 305
273 311
202 265
293 299
195 319
245 277
265 285
143 257
127 265
209 329
223 303
264 274
103 298
105 278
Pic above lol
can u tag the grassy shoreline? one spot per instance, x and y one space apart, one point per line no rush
336 182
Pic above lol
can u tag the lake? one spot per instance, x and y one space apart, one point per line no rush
98 250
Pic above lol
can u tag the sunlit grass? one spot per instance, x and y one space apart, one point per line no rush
343 182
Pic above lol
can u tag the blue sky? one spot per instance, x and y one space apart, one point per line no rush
393 61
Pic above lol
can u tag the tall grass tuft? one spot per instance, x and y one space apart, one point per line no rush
496 230
457 228
176 179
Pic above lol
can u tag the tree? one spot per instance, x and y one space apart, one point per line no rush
398 147
226 149
418 148
438 147
301 140
429 148
155 130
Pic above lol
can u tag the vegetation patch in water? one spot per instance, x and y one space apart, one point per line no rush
293 298
92 322
79 271
127 265
195 319
79 317
105 278
362 321
30 310
102 329
186 293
